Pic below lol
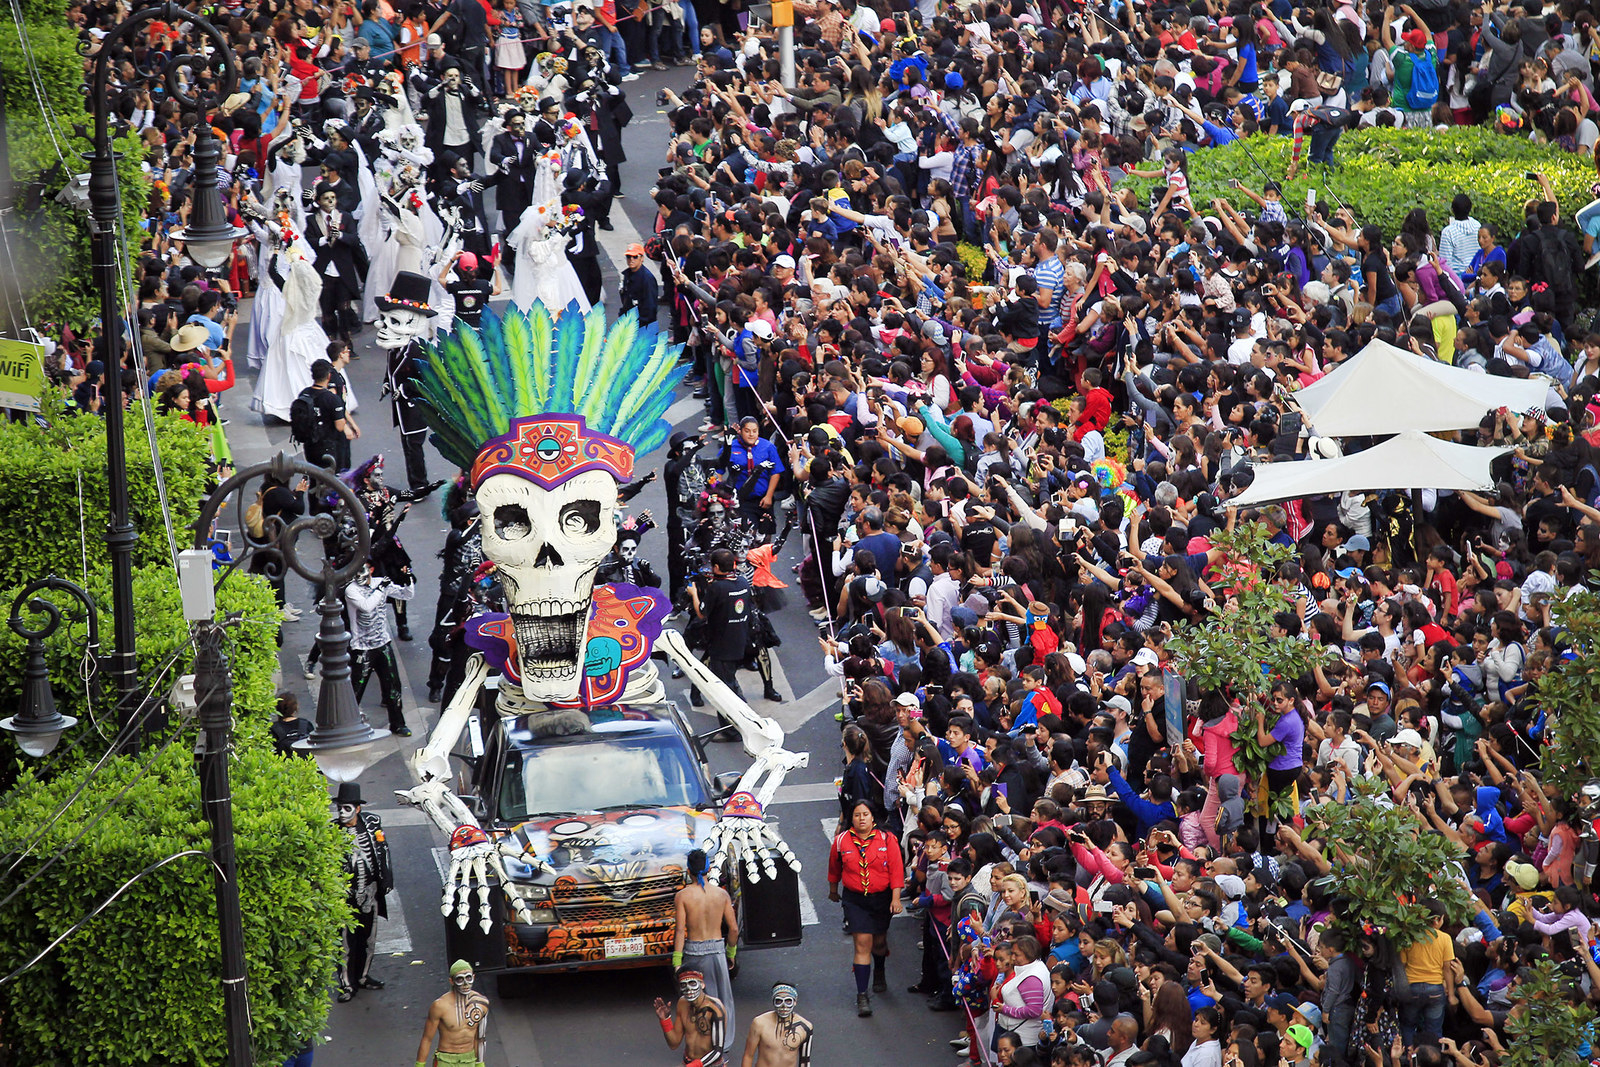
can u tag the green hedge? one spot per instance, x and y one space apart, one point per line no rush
1382 174
139 985
39 471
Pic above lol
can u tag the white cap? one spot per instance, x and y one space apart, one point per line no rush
1299 106
1075 661
435 41
1122 702
760 327
906 700
1146 657
1407 737
785 260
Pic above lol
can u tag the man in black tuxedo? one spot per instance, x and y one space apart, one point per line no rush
466 196
581 189
338 156
366 122
454 106
331 232
513 158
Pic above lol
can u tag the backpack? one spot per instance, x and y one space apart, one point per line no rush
1424 91
304 426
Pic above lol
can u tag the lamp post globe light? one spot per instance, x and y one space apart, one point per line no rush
38 726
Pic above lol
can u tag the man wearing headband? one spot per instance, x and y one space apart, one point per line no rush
782 1036
460 1019
698 1021
702 910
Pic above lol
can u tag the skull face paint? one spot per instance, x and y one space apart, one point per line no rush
546 545
691 984
463 982
399 327
628 550
345 814
785 998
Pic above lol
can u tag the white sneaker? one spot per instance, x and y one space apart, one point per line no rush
290 613
631 76
961 1043
1591 261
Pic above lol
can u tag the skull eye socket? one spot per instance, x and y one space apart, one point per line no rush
580 518
511 522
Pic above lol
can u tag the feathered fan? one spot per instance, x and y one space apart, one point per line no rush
474 381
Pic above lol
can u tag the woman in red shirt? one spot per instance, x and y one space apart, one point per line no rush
866 862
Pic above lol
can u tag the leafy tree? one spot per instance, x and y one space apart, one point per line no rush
1570 697
1551 1024
49 252
1385 862
1233 653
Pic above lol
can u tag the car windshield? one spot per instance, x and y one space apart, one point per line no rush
597 773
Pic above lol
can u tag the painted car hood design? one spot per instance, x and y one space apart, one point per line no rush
617 846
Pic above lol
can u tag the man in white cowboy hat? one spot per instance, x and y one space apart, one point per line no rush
402 322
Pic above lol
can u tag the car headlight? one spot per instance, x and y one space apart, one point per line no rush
542 915
536 892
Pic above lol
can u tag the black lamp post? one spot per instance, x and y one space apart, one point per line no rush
105 226
38 726
343 743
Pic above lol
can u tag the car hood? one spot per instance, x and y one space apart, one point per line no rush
614 845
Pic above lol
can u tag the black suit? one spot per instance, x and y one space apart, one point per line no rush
365 131
434 105
474 223
342 160
582 252
513 185
335 251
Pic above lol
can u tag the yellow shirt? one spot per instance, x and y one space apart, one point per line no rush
1425 960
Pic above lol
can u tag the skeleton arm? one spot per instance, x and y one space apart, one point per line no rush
742 824
475 858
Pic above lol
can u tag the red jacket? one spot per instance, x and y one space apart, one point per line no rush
1096 413
869 866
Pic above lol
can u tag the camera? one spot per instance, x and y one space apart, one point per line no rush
661 98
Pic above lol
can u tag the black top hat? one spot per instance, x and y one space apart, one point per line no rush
409 293
349 793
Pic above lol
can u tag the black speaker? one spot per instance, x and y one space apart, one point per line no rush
771 908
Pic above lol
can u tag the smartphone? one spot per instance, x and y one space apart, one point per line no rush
1144 872
1311 197
1530 175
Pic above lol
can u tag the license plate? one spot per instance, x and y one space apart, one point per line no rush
618 948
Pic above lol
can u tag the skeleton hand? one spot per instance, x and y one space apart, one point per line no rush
742 829
474 860
476 185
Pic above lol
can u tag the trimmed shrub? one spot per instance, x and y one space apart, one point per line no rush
1383 174
138 984
40 470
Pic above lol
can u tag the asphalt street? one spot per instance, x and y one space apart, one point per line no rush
598 1017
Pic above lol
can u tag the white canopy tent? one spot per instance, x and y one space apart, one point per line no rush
1410 460
1383 390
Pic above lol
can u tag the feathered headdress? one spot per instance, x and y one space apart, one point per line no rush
548 398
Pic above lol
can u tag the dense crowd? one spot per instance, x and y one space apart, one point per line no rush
1008 403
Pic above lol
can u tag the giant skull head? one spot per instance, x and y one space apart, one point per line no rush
547 545
400 326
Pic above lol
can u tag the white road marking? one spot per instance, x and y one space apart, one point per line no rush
808 911
394 936
806 793
685 408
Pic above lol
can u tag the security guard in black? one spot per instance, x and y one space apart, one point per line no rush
726 607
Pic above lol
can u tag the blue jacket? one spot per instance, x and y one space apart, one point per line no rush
1146 813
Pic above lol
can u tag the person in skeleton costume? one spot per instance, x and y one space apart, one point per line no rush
697 1022
275 227
577 153
367 122
371 644
625 564
460 1020
285 166
543 272
546 455
782 1036
386 510
403 317
466 200
298 340
371 878
332 234
462 554
453 105
399 248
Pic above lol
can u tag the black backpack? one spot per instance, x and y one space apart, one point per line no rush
304 426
